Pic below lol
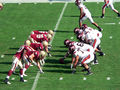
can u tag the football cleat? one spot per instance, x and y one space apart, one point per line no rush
22 80
102 54
89 73
25 75
74 71
102 16
119 15
84 70
41 72
6 81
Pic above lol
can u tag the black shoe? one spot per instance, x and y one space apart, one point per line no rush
89 73
102 54
84 70
22 80
100 29
102 16
118 15
74 71
6 81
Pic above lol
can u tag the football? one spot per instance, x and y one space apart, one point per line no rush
61 60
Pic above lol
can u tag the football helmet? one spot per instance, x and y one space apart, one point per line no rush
42 54
77 2
45 43
66 42
76 30
71 43
27 42
72 48
51 32
84 26
49 36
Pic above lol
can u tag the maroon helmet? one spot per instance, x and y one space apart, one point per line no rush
66 42
72 48
71 43
76 30
84 26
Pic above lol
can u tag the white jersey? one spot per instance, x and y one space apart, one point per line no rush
84 47
84 56
95 33
81 53
85 10
110 1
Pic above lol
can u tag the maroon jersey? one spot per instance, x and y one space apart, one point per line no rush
39 32
37 46
36 54
39 37
19 53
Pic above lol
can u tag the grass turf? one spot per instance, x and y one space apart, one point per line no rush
19 20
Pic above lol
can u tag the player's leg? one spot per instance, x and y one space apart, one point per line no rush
21 72
94 23
14 65
112 7
103 10
85 62
81 20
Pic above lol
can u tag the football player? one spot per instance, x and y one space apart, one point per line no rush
84 14
85 57
17 62
109 3
1 6
35 57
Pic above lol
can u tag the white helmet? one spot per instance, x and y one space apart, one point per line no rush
42 54
51 32
45 43
27 42
1 4
49 36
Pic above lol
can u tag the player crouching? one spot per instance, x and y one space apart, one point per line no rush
84 57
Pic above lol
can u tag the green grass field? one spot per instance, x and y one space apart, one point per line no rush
19 20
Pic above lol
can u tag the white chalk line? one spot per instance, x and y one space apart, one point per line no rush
55 29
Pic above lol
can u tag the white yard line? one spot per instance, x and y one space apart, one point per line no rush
55 29
110 23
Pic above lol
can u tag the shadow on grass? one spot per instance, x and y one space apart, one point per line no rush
9 54
61 46
5 62
64 31
58 50
59 71
58 66
14 48
71 15
54 61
